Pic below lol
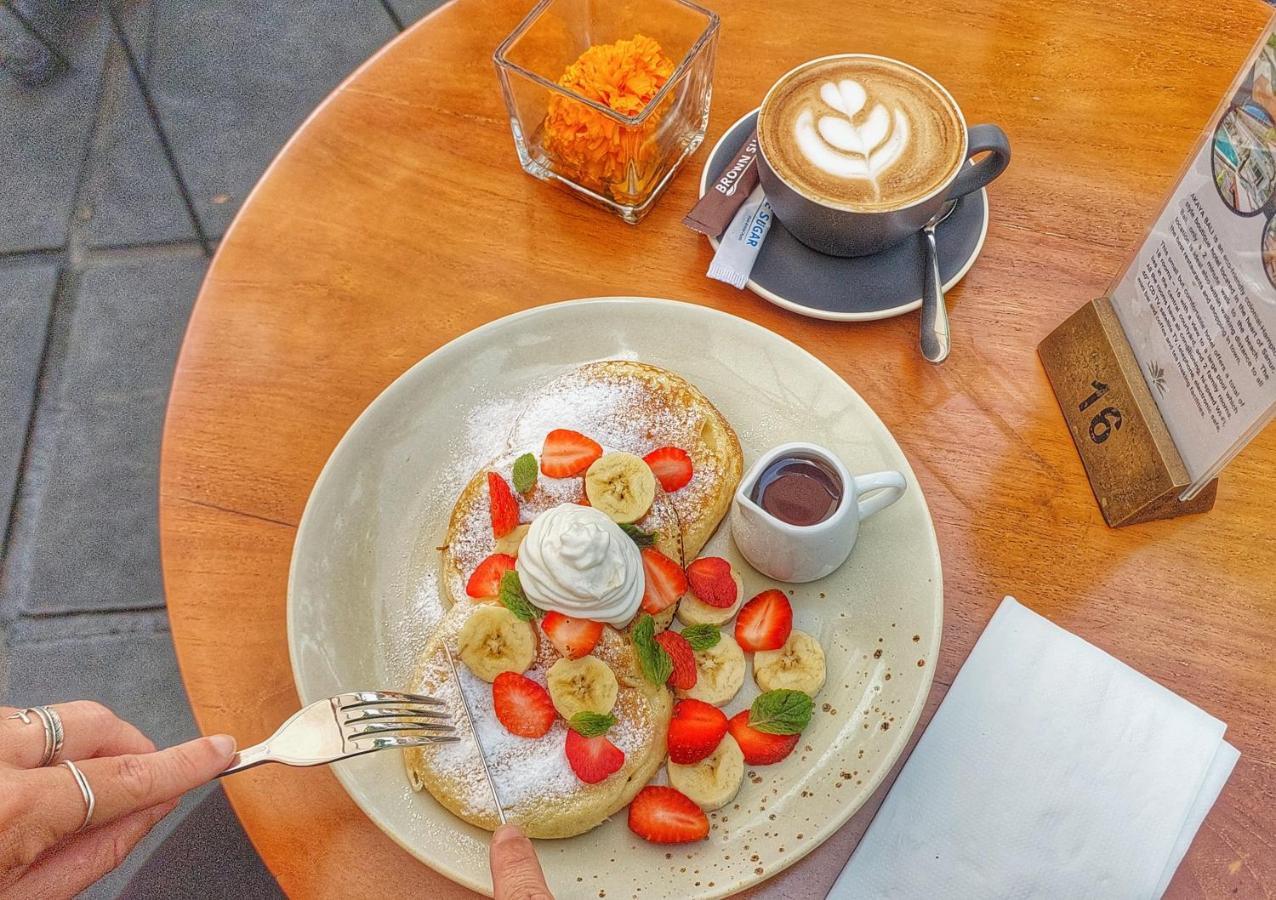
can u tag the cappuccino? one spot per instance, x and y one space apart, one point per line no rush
862 133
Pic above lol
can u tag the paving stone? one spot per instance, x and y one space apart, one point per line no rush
232 83
207 855
44 133
85 535
412 10
132 672
26 297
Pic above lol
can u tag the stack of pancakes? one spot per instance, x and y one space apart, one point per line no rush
622 405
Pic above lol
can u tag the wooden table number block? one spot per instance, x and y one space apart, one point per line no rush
1133 466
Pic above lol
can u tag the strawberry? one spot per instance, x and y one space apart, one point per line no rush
695 731
592 759
758 747
486 580
764 622
671 466
567 453
522 705
711 581
664 815
504 506
664 582
683 677
571 637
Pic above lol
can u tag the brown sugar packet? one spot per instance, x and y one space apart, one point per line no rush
724 197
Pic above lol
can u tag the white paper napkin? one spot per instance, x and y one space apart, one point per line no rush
1051 769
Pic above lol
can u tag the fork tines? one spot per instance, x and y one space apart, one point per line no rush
378 698
393 719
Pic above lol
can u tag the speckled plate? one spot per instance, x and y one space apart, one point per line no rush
363 591
858 288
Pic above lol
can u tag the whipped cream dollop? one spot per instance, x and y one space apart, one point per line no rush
576 561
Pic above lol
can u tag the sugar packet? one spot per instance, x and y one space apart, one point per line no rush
742 241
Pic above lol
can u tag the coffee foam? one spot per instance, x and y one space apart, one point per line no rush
861 132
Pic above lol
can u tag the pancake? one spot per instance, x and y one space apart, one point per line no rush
469 537
538 789
636 407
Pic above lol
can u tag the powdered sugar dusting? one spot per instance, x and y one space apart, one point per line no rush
624 411
524 770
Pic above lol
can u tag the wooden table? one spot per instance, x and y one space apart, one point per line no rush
398 219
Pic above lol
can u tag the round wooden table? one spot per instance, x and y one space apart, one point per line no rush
398 219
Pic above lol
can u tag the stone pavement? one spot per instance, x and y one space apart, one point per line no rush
99 267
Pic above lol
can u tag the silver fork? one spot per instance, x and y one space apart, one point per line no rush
350 725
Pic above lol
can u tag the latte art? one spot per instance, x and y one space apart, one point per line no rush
861 132
845 147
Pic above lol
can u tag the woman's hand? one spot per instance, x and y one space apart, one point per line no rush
516 873
43 852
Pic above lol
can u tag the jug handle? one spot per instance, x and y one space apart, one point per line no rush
884 487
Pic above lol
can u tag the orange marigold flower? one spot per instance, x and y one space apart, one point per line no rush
589 146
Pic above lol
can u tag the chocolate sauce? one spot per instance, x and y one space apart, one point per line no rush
798 490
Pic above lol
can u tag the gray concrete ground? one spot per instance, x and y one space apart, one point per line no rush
98 272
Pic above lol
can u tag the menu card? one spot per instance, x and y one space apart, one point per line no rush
1198 301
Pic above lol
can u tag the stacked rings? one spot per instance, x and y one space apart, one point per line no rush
53 733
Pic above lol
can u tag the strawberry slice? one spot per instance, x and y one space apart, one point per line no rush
571 637
486 580
711 581
764 622
504 506
695 731
522 705
683 677
567 453
664 815
664 582
671 466
592 759
758 747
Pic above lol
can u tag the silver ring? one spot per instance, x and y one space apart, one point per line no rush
87 792
53 733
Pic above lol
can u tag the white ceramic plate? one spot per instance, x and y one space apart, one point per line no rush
363 595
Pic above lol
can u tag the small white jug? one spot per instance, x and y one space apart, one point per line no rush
800 553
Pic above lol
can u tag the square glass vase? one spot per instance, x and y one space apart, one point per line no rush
621 161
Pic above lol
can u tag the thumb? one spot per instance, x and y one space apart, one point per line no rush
516 873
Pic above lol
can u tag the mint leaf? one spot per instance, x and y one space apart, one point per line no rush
592 724
653 659
513 598
525 473
702 637
640 537
781 712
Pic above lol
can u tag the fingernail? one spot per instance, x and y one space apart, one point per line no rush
507 833
223 744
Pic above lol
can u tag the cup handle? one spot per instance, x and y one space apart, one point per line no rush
886 488
982 138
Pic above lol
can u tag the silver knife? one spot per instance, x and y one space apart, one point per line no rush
465 706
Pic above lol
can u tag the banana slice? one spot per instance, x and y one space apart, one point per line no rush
714 781
509 543
797 666
719 672
620 485
581 685
493 641
694 611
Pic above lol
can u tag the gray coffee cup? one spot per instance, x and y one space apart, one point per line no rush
846 232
